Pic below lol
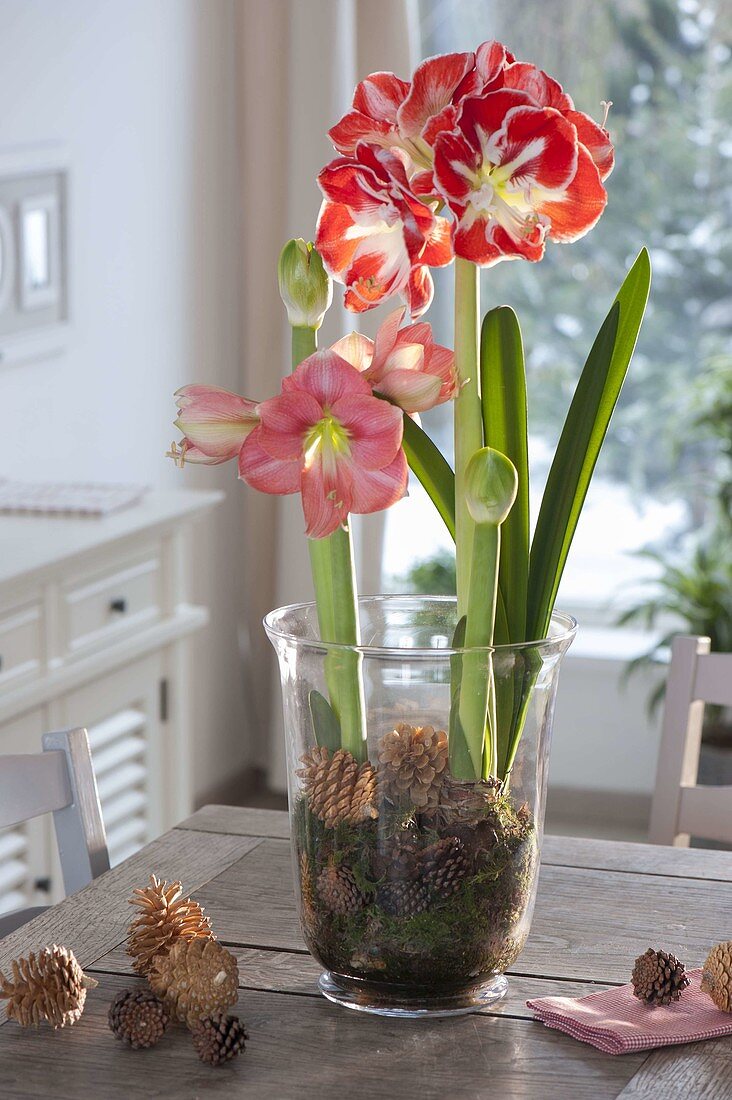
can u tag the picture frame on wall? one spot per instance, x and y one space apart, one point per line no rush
34 234
40 260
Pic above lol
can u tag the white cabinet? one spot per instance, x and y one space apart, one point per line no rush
95 627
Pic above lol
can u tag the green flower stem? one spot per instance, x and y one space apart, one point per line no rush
304 343
468 439
491 484
468 415
331 562
334 580
477 668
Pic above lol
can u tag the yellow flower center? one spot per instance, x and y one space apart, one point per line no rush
328 441
495 193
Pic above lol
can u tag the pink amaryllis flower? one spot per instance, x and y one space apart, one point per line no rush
405 365
515 173
327 437
214 424
374 235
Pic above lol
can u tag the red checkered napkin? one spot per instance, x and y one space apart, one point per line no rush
618 1023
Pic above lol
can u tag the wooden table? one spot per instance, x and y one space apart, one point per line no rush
600 904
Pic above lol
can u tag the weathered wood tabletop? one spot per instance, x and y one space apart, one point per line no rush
600 904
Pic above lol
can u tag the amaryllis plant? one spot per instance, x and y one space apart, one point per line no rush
479 158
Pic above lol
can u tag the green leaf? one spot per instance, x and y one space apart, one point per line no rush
580 442
460 763
501 634
326 726
426 461
503 389
458 638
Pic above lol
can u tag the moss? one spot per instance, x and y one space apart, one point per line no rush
478 930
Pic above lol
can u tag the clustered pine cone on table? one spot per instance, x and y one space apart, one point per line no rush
717 976
48 986
138 1018
191 977
165 918
339 789
413 763
658 977
196 978
219 1038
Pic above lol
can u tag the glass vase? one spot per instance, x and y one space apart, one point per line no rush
415 878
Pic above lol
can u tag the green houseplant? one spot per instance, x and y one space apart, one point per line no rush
418 730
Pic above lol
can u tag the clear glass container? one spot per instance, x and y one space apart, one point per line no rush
415 877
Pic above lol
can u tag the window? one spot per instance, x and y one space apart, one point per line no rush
665 65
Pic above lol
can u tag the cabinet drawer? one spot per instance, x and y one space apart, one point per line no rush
21 642
112 602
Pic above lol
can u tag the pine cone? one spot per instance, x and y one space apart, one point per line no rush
338 787
50 986
165 918
658 977
403 899
465 803
138 1018
338 890
219 1038
196 978
413 765
717 976
445 865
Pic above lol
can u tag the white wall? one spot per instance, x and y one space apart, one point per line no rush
605 744
142 93
604 740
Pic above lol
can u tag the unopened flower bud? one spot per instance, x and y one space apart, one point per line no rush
491 484
305 286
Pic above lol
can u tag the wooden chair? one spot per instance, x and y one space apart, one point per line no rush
681 809
60 780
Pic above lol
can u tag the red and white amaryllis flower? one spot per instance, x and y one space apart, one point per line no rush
405 365
214 424
511 182
547 92
515 173
391 112
374 235
327 437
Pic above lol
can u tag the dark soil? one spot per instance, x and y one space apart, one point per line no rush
422 916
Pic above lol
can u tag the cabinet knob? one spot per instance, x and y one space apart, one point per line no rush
119 606
43 884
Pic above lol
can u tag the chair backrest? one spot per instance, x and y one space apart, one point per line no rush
60 780
682 809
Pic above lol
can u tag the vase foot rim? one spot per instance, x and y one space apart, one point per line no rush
453 1004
